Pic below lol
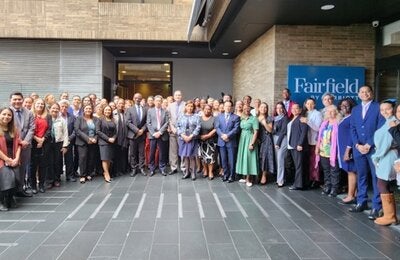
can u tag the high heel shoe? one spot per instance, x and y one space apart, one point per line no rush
108 181
82 180
89 178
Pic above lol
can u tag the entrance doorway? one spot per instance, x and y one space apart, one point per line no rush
147 78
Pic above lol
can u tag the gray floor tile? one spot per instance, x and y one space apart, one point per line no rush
46 252
108 251
63 234
216 232
235 221
166 232
190 222
137 246
280 251
98 223
115 233
29 242
193 245
265 231
81 246
143 224
248 245
169 211
302 245
164 252
223 251
337 251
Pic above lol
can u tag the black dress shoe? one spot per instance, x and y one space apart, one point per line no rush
294 188
163 173
133 173
230 180
185 176
325 191
173 172
152 173
374 214
41 190
34 191
360 207
143 172
24 194
224 179
332 194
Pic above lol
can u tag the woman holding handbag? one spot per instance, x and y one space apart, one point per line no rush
10 150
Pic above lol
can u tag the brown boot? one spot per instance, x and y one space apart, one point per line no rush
389 210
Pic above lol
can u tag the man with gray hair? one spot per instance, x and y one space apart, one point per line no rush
175 109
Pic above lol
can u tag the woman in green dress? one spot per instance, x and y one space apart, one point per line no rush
246 163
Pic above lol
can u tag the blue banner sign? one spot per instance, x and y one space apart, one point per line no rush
314 81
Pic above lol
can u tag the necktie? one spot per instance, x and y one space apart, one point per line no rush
158 119
226 118
364 111
19 119
139 114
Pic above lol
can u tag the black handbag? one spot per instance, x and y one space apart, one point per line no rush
7 177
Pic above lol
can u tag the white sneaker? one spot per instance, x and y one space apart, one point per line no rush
242 180
249 184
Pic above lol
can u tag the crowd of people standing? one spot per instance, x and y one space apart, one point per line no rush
245 142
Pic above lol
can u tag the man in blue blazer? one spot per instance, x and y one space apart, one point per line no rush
365 120
228 126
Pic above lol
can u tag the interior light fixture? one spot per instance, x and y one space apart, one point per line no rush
122 52
174 53
168 76
123 72
225 54
327 7
166 64
237 41
167 71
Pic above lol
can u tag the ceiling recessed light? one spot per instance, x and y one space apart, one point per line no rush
166 64
122 52
123 72
174 53
168 76
327 7
237 41
225 54
167 71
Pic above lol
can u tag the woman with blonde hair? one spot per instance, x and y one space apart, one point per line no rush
40 145
326 151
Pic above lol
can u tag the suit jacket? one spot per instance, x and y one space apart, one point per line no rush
152 123
122 128
133 125
105 130
28 124
81 130
298 134
231 128
71 128
289 110
363 129
173 115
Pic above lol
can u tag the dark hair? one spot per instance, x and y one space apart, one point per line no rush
390 102
11 126
349 100
16 93
283 107
288 90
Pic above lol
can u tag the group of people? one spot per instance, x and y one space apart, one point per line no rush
242 141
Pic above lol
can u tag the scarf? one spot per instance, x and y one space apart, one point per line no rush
334 137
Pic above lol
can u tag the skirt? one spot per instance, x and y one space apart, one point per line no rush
7 177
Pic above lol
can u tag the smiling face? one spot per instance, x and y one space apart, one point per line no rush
279 109
54 110
310 104
107 111
87 111
386 110
16 101
5 116
263 109
365 94
246 109
296 110
39 106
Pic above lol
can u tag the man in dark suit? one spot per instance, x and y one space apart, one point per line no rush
157 125
136 117
287 102
121 146
24 121
228 126
364 121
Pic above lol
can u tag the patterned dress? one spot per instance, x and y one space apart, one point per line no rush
208 148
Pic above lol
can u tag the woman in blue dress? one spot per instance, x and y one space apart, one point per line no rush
345 144
188 128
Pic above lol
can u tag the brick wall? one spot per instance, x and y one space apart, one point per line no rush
89 19
262 72
254 69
